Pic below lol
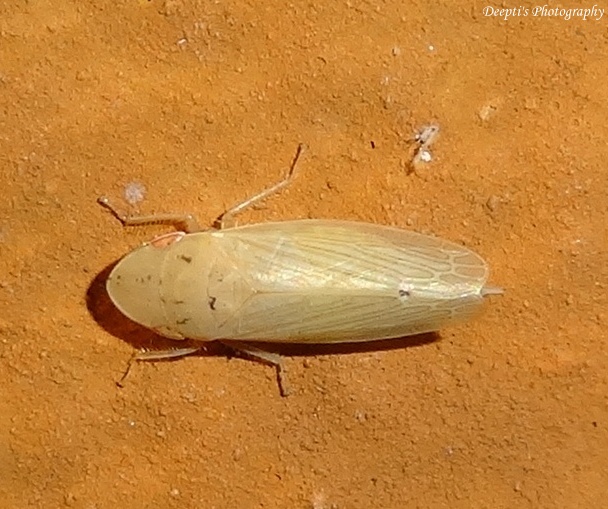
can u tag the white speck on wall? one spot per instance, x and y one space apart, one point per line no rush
424 138
426 135
318 500
134 192
425 156
489 110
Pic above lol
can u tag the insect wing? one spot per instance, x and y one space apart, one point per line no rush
333 281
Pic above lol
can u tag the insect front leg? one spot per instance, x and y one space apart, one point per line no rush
226 220
182 222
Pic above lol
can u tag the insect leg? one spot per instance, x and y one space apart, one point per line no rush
263 356
182 222
491 290
227 218
156 355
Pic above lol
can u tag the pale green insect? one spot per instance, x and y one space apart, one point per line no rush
308 281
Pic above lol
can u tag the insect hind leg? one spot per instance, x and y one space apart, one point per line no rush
273 359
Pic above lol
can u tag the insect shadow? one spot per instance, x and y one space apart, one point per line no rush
118 325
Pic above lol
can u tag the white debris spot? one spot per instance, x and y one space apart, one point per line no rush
488 110
493 203
134 192
319 501
426 134
424 138
425 156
